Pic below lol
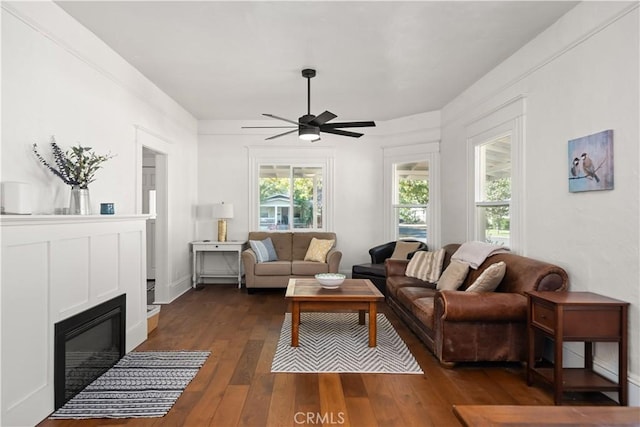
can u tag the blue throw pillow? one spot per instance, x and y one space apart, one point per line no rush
264 250
273 256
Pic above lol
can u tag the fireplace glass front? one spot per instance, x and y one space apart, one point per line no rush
86 346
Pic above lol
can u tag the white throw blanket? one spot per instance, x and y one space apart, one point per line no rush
474 253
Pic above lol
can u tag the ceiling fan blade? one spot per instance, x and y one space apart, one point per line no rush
342 132
348 125
281 134
323 118
286 120
268 127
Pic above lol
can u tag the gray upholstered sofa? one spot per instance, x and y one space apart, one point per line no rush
291 248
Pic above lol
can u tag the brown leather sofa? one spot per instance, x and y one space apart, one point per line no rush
460 326
291 248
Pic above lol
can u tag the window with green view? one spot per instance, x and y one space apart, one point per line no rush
291 197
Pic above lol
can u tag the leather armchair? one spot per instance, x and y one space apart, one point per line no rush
381 252
375 271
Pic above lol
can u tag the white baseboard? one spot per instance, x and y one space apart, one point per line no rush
176 289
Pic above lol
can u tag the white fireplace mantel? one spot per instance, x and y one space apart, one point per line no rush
18 220
53 267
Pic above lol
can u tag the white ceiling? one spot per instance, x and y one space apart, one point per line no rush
375 60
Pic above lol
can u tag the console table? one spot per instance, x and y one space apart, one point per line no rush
577 316
198 248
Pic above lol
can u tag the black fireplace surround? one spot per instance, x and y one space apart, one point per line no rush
87 345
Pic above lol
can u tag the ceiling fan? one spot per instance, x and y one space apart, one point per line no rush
310 126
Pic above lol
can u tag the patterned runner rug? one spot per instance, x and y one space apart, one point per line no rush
335 342
142 384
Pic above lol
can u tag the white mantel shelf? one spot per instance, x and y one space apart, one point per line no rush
9 220
53 267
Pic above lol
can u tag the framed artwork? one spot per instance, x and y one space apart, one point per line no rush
591 162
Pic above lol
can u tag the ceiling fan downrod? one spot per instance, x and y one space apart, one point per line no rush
308 73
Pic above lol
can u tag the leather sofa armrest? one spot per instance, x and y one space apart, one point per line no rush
381 252
460 306
396 267
333 259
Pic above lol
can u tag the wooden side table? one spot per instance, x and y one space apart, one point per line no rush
577 316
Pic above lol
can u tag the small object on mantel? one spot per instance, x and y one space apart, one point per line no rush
15 198
107 209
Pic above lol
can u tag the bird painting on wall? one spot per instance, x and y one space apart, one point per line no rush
589 169
590 162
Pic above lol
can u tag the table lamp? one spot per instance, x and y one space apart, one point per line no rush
223 212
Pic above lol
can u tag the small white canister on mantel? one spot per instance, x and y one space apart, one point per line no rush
16 198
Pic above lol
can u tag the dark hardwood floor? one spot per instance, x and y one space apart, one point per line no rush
236 388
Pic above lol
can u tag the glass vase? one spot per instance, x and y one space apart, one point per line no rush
79 203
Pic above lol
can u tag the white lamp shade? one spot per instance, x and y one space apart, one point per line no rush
223 210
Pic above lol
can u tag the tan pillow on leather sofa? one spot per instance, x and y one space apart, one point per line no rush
426 266
453 276
318 250
403 249
489 280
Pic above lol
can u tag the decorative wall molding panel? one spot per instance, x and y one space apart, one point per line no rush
54 267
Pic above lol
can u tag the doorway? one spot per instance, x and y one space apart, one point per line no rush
149 207
152 165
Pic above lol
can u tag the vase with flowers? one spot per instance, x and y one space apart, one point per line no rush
75 167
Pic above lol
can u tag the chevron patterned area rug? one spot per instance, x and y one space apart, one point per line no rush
141 385
335 342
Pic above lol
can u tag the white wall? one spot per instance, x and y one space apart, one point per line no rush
579 77
358 171
60 79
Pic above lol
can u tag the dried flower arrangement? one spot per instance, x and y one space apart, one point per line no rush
76 167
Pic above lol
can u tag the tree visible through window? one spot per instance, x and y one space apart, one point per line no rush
493 190
411 200
291 197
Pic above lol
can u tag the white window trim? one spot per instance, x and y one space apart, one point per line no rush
310 156
506 119
429 152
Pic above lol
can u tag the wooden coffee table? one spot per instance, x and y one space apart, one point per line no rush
508 415
354 295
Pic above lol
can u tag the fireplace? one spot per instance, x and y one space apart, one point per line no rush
87 345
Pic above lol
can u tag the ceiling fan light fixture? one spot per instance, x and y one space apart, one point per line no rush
311 133
310 126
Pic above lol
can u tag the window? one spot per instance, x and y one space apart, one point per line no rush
291 197
495 187
290 188
493 190
411 200
411 192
